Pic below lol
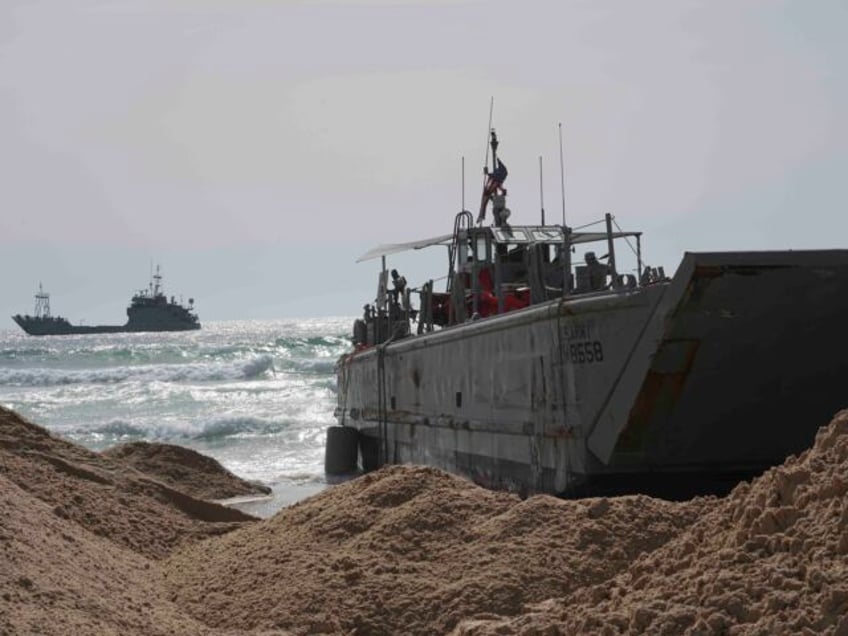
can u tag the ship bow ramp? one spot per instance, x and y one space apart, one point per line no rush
743 360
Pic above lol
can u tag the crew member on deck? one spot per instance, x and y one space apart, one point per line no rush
597 272
397 293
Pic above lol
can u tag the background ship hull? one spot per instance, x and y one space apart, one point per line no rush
43 328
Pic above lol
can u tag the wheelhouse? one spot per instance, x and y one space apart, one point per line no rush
497 269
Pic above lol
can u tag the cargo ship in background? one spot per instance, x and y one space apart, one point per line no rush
149 310
536 374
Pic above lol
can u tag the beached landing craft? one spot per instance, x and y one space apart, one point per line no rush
536 374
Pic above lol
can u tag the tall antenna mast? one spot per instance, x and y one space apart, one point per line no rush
488 132
463 184
486 162
562 174
541 191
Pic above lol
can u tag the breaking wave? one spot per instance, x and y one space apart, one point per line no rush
256 395
232 427
259 366
192 372
118 431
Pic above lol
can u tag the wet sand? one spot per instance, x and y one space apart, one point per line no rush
282 494
93 544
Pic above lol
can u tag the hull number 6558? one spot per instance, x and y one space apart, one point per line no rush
585 351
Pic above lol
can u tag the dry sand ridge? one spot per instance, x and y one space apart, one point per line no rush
96 546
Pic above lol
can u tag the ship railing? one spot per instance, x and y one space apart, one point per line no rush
490 276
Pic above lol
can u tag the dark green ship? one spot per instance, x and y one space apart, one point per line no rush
149 310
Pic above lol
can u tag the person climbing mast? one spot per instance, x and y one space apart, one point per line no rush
494 182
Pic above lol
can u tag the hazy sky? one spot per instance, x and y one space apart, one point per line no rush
256 148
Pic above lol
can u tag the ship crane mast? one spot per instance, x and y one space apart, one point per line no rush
157 284
42 303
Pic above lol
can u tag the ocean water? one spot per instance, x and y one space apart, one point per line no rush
255 395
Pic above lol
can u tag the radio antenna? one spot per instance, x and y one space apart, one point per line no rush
463 184
562 174
488 132
541 191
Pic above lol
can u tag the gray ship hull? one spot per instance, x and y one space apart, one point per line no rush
40 327
675 388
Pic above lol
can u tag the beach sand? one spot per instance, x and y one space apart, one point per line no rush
92 544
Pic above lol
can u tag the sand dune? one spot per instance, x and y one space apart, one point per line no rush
80 535
185 469
94 545
413 550
770 558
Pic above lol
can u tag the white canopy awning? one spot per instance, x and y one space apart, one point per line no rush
394 248
593 237
574 239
